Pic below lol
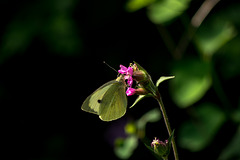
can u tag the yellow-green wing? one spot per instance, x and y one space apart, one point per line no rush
92 102
114 102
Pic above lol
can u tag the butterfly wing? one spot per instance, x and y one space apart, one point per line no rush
93 102
114 102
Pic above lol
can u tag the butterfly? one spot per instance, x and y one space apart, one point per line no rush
109 101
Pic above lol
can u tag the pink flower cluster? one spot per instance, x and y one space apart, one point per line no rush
128 72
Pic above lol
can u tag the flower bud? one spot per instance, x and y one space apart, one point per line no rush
141 91
161 148
144 80
139 75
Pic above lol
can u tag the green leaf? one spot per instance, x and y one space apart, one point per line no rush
198 132
140 97
165 10
134 5
124 147
163 78
192 80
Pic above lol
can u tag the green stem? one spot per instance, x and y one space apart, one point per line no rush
160 102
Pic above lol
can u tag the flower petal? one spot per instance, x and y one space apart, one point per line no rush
123 69
130 71
130 91
130 81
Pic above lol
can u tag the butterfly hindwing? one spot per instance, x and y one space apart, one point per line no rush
114 107
109 101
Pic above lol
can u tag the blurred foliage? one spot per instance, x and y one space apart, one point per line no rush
164 11
192 81
159 11
232 149
213 34
214 39
124 147
44 48
197 133
50 20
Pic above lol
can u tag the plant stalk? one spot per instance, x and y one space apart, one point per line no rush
160 102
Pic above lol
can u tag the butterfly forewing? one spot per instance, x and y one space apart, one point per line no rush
92 102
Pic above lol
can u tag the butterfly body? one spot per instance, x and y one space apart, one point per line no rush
109 101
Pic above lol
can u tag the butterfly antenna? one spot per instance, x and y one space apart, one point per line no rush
110 66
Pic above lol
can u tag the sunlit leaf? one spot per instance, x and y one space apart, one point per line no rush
163 78
197 133
191 83
139 98
165 10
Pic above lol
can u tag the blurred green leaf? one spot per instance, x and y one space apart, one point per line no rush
134 5
17 37
228 59
163 78
124 147
213 34
60 35
130 128
57 29
153 115
236 113
197 133
231 152
192 80
165 10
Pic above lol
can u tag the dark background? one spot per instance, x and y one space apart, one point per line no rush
51 60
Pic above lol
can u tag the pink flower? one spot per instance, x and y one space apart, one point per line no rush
130 91
128 74
155 142
130 80
125 70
